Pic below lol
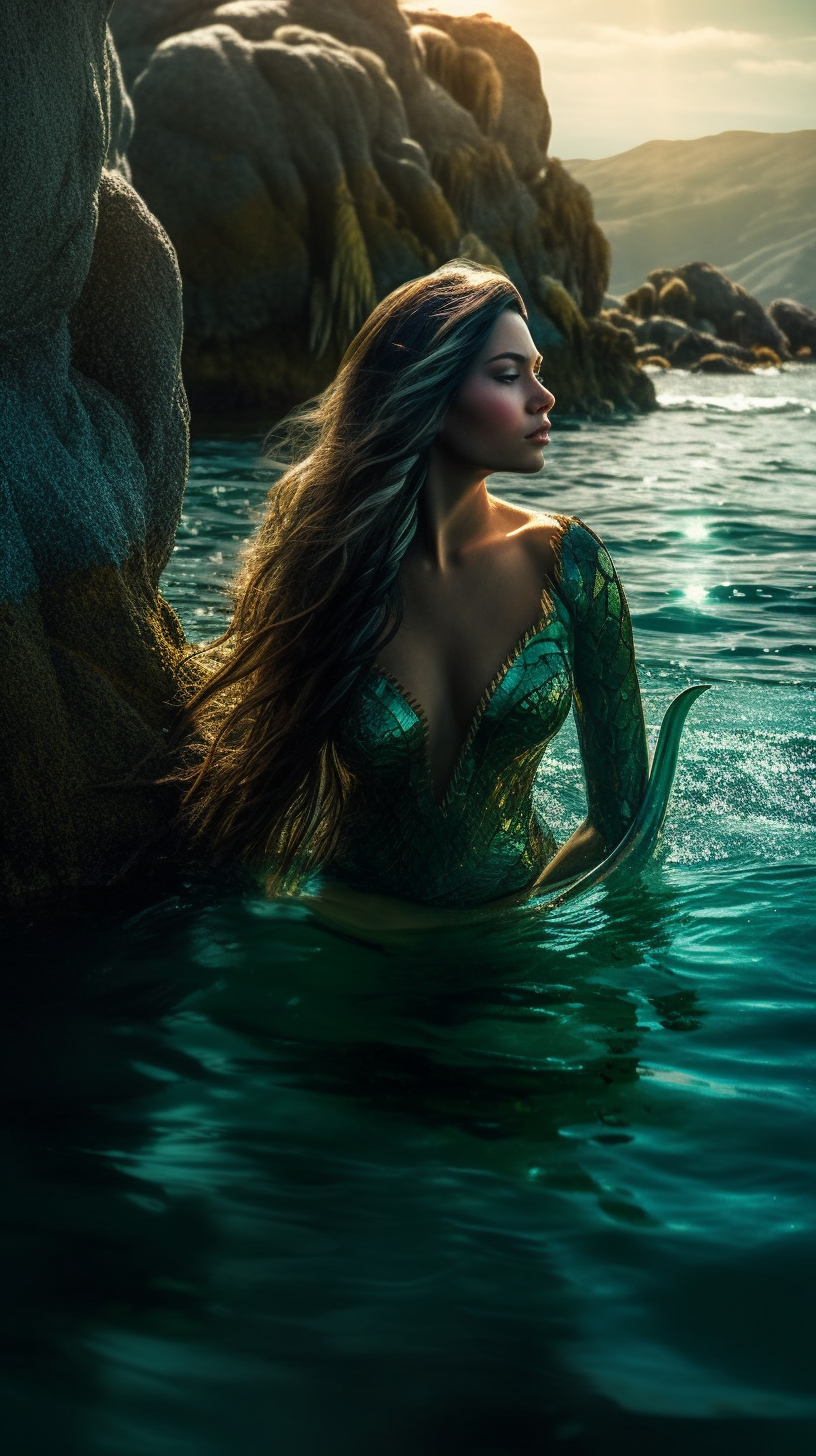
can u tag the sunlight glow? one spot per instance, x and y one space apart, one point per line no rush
695 592
669 70
696 531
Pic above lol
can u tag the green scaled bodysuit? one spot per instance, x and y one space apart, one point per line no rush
484 840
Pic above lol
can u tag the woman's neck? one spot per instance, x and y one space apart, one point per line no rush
454 509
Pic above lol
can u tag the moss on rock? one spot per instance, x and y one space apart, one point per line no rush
675 300
642 301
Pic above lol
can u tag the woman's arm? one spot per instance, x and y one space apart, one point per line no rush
608 709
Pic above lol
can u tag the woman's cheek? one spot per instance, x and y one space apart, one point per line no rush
492 410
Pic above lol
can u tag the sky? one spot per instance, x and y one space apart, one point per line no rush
616 75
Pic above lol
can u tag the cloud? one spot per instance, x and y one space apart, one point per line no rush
614 40
806 70
703 37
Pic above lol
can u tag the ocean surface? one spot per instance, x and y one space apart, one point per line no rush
273 1189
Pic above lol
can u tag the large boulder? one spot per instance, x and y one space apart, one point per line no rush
736 315
692 346
306 156
657 331
642 301
620 317
662 332
675 300
93 466
797 323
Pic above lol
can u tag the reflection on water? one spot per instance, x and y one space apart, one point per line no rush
255 1163
542 1184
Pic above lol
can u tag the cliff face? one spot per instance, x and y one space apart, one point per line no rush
92 464
307 156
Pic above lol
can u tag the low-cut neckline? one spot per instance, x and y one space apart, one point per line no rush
482 705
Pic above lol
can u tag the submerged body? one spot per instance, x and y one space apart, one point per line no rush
480 838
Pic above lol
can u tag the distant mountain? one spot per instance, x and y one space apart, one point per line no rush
744 200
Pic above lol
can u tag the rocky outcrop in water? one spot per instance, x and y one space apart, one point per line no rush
92 466
306 156
797 323
695 316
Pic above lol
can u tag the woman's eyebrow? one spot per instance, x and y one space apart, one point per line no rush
518 358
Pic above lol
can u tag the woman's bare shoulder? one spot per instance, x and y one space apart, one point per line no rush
541 533
553 532
565 551
534 524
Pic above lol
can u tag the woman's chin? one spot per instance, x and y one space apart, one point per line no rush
534 463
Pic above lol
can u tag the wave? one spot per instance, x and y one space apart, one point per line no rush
735 404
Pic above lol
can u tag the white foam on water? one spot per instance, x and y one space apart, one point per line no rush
736 403
787 390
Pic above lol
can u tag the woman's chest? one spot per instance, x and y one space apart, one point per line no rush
448 658
389 732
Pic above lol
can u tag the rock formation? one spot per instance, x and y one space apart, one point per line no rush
797 323
692 347
719 364
93 464
682 317
735 314
306 156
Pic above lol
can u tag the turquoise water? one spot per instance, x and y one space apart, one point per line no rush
548 1187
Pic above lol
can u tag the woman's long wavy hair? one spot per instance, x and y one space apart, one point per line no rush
319 591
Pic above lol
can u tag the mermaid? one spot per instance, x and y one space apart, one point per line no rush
405 645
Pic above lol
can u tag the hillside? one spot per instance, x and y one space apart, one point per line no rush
743 200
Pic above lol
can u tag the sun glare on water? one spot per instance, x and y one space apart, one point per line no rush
695 592
696 531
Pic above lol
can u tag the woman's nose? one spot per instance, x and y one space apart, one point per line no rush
545 398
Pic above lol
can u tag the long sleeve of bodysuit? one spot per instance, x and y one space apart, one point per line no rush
608 708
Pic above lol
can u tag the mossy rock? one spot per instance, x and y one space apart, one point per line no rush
720 364
659 277
560 306
797 322
693 347
675 300
621 320
642 301
767 357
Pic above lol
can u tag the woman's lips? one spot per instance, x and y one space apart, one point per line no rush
541 436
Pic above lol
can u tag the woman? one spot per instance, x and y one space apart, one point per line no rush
404 644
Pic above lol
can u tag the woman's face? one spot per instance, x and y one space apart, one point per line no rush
498 419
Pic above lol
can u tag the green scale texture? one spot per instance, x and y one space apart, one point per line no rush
484 840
